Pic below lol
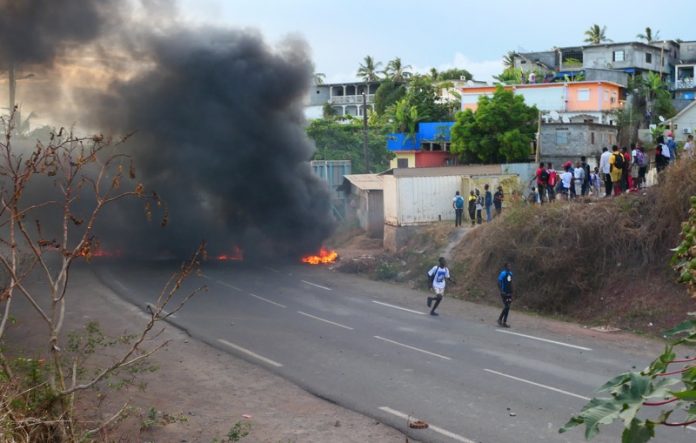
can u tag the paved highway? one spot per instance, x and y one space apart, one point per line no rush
371 347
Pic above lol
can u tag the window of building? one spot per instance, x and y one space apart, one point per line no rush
402 163
618 56
583 95
648 57
561 137
592 138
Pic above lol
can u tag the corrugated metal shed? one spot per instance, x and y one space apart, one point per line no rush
332 172
366 182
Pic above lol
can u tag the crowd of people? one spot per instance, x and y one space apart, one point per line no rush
476 203
620 170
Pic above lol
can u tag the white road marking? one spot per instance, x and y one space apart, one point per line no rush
314 284
398 307
412 347
325 321
250 353
560 343
272 269
550 388
228 285
444 432
267 300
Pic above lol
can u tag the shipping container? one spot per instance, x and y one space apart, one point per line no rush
332 172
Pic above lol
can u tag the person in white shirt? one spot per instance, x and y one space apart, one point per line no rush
566 182
605 169
689 146
578 178
437 277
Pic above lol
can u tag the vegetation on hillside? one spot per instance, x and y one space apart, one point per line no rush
501 130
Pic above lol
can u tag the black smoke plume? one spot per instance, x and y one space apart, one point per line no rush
218 122
33 31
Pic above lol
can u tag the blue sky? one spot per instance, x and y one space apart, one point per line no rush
439 33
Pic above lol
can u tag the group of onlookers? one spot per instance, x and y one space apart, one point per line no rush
620 170
477 203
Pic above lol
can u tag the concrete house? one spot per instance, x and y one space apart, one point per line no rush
344 98
684 123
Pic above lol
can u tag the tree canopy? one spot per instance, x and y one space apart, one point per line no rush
501 130
596 35
368 69
343 138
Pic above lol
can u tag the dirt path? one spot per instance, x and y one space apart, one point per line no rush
455 238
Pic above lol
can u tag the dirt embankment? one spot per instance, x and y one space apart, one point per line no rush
599 262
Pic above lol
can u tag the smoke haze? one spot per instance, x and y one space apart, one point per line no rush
219 128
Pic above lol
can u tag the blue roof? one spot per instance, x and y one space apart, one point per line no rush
427 132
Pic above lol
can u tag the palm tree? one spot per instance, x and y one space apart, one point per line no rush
648 36
509 59
433 74
596 35
368 69
397 71
318 78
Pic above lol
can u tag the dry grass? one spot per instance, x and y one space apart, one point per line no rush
565 254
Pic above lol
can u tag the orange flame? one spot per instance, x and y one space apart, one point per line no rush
236 255
325 256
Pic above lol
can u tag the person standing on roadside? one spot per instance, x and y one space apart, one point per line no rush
542 180
458 205
689 146
488 202
643 163
585 188
437 277
605 169
479 207
616 161
578 180
505 287
472 208
552 182
626 170
498 198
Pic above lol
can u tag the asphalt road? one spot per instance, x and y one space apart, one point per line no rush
371 347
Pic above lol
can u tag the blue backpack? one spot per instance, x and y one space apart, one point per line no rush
459 202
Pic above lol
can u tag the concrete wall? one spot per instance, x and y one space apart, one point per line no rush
318 95
686 120
687 52
601 56
606 75
562 142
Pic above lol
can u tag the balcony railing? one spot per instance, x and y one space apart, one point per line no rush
685 83
351 99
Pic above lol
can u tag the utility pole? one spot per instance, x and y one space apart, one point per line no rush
367 159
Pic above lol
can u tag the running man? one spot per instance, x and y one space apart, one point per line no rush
437 277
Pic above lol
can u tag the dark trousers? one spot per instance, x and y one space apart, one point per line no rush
552 193
507 301
472 216
608 186
479 217
498 211
458 212
542 191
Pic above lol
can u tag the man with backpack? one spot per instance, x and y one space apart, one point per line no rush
542 181
616 163
437 277
458 205
505 287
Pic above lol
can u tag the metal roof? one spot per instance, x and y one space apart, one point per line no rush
444 171
366 182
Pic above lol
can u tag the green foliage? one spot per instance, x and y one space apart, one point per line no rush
388 93
596 35
422 96
684 259
368 69
454 74
397 71
668 383
501 130
343 139
510 75
236 433
386 271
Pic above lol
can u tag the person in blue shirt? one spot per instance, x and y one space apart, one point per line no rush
505 286
488 202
